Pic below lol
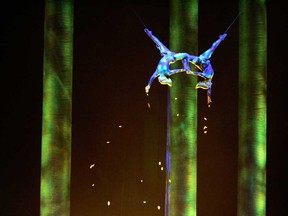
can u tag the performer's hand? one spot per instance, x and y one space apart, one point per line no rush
147 89
147 31
223 36
209 100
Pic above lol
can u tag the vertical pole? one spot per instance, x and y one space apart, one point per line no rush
57 108
181 154
252 109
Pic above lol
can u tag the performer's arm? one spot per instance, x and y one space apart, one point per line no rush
159 44
185 57
154 75
216 43
208 53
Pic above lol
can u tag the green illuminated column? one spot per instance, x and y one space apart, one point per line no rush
252 109
182 115
57 108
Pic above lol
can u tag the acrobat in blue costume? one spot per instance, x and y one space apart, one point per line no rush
203 63
163 68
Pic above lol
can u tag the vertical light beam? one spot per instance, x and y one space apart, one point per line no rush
252 109
181 182
57 108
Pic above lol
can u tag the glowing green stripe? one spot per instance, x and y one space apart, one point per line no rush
252 109
57 108
183 114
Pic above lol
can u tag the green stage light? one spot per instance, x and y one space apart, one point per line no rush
252 109
181 182
57 108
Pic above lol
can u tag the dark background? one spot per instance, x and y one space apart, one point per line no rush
113 60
